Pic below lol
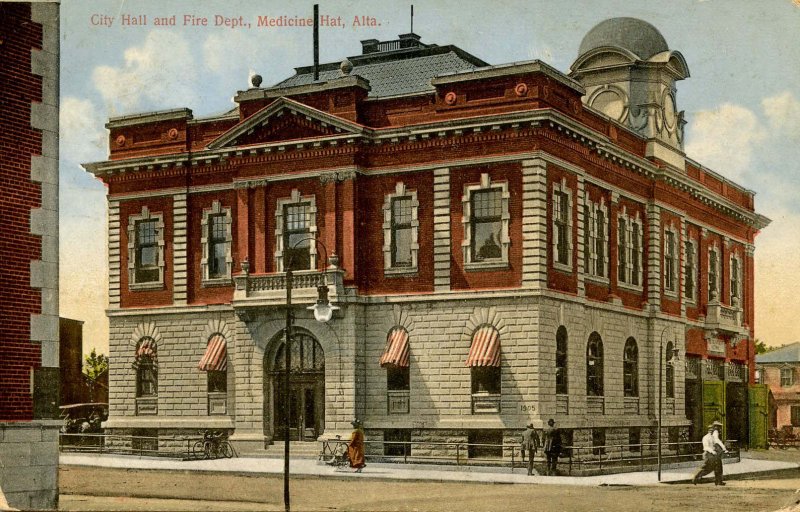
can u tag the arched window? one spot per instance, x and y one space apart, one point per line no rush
395 360
630 368
484 360
146 368
307 355
215 363
670 370
561 361
594 365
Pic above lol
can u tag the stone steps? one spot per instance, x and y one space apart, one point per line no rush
297 450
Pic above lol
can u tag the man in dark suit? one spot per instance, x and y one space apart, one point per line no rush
530 443
552 445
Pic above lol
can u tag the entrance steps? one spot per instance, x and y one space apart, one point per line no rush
297 450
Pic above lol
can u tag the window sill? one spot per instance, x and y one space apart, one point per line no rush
563 268
217 282
138 287
486 265
401 272
671 294
596 279
630 287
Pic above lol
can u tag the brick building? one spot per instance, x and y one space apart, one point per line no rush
780 370
29 355
506 244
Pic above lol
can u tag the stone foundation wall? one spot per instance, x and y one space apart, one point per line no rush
29 464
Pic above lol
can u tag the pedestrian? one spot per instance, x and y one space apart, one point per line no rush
530 443
552 445
713 448
355 449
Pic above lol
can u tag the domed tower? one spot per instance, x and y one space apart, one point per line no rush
629 74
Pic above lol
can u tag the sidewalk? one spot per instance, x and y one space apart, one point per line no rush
309 467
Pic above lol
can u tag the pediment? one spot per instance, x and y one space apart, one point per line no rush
284 120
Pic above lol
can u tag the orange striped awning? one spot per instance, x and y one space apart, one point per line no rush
216 357
485 349
396 351
147 347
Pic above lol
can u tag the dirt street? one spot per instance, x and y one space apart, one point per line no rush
120 489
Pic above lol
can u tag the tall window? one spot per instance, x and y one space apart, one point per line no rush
595 238
562 387
669 368
622 250
145 250
670 264
216 239
146 369
562 231
736 279
630 368
297 253
795 416
484 360
713 274
594 365
486 225
787 377
636 253
217 246
401 232
486 221
690 271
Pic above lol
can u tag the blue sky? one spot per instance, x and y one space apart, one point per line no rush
742 100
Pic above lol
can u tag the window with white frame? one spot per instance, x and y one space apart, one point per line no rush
216 238
146 250
787 377
562 226
595 238
713 273
486 219
690 271
295 227
670 260
629 248
400 231
736 280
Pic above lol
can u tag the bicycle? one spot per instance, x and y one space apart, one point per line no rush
336 456
213 446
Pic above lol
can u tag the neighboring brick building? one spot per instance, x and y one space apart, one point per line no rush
29 355
512 244
780 370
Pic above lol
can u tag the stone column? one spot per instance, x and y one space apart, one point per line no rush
441 229
180 248
654 256
534 224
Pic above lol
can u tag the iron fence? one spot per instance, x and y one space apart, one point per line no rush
176 447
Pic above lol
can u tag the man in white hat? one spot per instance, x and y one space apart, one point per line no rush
530 443
713 448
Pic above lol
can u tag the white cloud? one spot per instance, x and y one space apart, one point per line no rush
783 113
724 140
161 73
231 56
82 136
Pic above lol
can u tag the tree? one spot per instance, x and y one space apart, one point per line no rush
95 364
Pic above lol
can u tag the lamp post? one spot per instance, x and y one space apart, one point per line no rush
661 387
323 311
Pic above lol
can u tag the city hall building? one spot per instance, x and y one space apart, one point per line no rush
505 244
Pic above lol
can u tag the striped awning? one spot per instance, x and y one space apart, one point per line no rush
485 349
396 351
215 358
147 347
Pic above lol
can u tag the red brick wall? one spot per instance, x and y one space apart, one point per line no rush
197 203
18 195
560 279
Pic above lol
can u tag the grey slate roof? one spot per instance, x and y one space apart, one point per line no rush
409 72
787 354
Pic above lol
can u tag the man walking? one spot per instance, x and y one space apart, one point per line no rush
530 443
552 445
713 448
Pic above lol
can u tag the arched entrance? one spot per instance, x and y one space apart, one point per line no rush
306 388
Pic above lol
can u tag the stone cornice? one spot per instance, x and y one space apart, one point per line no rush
149 117
514 68
594 142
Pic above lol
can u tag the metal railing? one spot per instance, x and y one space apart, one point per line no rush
180 447
572 459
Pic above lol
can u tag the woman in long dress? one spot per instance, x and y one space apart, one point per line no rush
355 450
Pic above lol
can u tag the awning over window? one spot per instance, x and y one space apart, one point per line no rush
147 347
485 349
396 351
216 357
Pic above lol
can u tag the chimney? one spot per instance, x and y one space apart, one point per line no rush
369 46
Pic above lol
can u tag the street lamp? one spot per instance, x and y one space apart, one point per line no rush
672 358
323 311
